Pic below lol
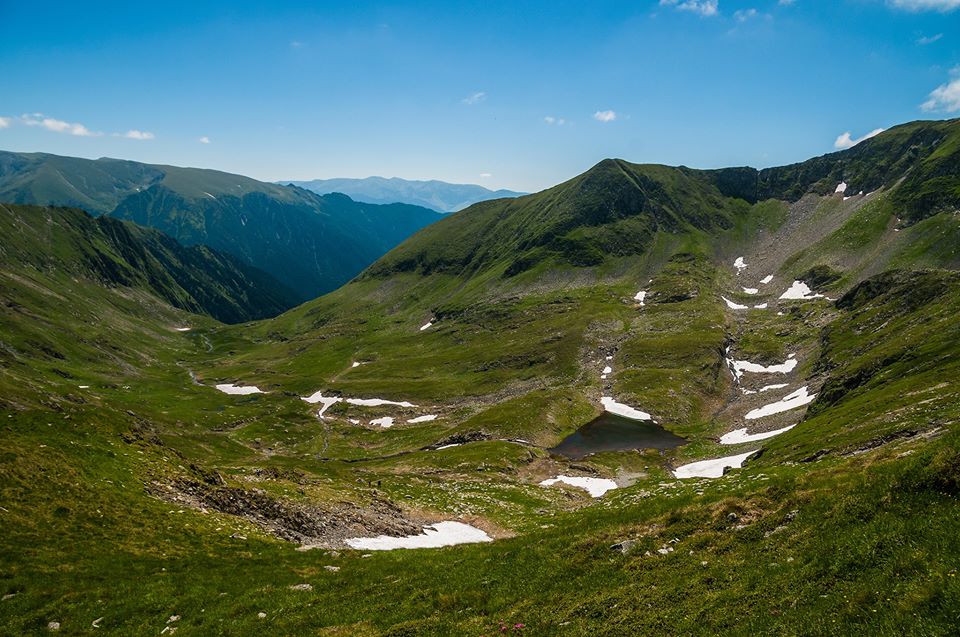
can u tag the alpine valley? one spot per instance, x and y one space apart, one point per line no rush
648 400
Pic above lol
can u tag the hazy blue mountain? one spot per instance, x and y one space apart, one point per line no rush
437 195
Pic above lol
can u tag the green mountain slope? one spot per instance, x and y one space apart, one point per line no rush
70 243
459 360
311 243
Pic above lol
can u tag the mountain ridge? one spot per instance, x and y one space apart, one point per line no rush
310 242
438 195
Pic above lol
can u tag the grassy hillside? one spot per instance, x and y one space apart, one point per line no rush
65 242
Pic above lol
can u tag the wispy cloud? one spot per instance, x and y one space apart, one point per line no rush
137 134
704 8
486 175
845 141
926 5
929 39
554 121
946 97
4 122
475 98
605 116
204 140
742 15
57 125
785 3
295 44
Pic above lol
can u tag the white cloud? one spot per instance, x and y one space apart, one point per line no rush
605 116
470 100
554 121
742 15
204 140
705 8
486 175
945 97
138 134
926 5
57 125
929 39
845 141
4 122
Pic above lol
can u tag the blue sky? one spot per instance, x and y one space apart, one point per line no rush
508 94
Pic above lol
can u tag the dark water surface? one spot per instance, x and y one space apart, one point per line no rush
609 432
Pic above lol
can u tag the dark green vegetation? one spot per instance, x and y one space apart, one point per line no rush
436 195
311 243
159 496
48 244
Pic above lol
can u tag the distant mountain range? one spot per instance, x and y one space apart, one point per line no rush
311 243
433 194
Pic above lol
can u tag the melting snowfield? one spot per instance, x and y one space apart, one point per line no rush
419 419
739 436
739 367
318 397
798 398
800 291
734 306
620 409
377 402
596 487
711 468
433 536
230 388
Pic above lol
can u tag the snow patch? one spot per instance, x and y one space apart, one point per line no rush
640 296
739 367
318 397
739 436
428 325
596 487
740 264
209 195
623 410
732 305
841 187
386 422
711 468
433 536
236 390
607 370
456 444
798 398
355 364
766 279
750 290
775 386
183 329
760 306
799 290
420 419
377 402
